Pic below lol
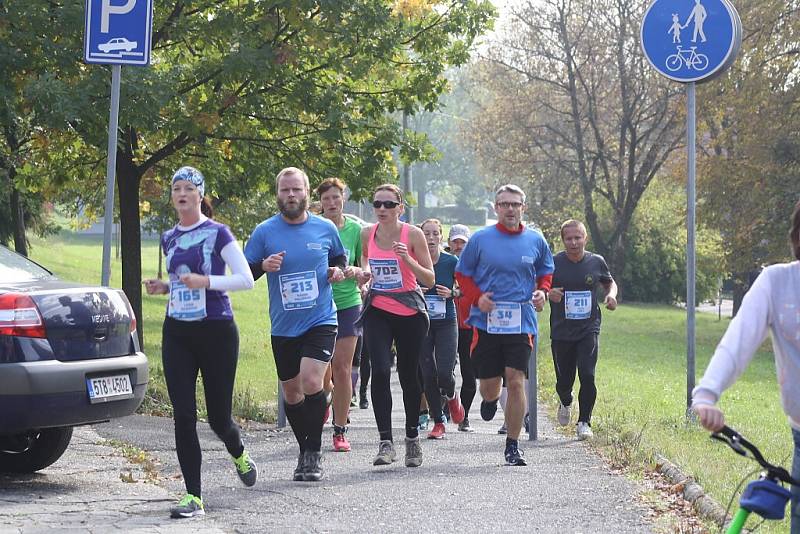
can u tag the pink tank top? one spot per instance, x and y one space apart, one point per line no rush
390 274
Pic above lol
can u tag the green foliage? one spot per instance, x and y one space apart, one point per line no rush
655 269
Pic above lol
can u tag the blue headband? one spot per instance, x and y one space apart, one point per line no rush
190 174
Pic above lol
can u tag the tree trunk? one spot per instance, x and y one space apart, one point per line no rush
128 179
17 216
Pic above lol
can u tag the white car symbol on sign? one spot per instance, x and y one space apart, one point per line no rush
118 43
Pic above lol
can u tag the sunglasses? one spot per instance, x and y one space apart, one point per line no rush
388 204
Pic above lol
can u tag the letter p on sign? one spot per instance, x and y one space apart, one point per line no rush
107 10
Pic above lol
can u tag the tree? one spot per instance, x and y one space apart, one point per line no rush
240 90
574 108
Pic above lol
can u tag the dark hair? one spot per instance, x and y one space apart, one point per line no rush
329 183
794 233
206 208
392 188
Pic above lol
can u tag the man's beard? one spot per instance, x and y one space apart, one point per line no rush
296 213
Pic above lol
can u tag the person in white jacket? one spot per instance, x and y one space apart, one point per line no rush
772 303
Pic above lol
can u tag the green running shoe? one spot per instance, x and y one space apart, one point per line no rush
246 469
189 506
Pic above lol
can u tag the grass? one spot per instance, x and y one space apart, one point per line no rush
641 377
79 258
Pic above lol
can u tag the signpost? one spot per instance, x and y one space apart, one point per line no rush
691 41
116 34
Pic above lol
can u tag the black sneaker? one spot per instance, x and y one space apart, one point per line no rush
300 469
528 423
363 403
488 409
313 467
514 456
463 426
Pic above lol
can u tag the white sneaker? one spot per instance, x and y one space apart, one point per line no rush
563 414
584 431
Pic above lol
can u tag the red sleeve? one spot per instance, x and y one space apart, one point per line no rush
544 282
470 291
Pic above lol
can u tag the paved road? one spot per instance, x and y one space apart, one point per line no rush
462 485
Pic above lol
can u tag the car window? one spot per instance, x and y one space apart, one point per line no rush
17 268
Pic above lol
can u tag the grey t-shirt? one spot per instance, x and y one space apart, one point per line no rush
578 313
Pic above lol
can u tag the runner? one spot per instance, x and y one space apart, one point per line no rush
301 254
438 357
199 333
394 257
575 322
505 272
347 298
457 239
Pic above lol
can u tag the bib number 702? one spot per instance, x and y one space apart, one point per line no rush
385 270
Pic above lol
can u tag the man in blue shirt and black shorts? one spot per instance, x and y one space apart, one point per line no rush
301 254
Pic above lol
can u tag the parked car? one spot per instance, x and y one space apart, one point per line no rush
69 355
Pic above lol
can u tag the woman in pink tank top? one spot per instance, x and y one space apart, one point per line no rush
394 256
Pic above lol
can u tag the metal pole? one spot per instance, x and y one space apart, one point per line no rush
533 399
690 243
108 215
281 407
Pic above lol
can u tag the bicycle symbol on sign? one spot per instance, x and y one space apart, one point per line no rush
690 58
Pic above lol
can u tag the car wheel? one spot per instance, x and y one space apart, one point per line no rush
44 447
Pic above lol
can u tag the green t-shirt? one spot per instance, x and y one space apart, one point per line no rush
346 293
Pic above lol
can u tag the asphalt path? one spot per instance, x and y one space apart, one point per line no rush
462 485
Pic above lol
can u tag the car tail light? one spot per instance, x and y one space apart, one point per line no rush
130 310
19 316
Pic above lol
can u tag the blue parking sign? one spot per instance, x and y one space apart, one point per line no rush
118 32
691 40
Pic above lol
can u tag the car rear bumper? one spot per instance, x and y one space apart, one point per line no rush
53 393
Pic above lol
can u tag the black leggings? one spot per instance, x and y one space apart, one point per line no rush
468 383
580 355
408 334
212 348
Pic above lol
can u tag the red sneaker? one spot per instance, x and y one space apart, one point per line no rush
456 410
340 443
437 432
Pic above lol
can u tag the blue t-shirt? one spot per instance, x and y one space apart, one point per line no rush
196 251
507 265
300 296
445 271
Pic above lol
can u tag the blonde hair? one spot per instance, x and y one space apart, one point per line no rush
437 222
292 170
572 222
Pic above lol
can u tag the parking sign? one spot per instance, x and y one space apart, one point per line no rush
118 32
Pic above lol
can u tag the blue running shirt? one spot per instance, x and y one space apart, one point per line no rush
300 296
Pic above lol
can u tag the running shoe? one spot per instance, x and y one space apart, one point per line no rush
503 429
413 452
301 466
437 432
463 426
363 402
353 401
514 455
246 469
488 409
445 409
584 431
424 419
189 506
340 443
313 471
457 413
527 422
563 414
386 453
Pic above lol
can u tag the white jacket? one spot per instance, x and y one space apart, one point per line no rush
773 303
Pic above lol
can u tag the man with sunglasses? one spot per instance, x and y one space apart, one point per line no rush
505 272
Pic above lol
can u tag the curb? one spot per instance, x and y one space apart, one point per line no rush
704 505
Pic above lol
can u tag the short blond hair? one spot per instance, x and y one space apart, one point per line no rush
292 170
570 223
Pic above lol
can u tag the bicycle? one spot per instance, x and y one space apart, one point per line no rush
690 58
765 496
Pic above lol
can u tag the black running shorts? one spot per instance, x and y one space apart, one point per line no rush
316 343
492 353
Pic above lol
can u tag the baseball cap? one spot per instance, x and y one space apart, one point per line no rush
459 231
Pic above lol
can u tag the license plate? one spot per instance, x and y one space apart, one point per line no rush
103 388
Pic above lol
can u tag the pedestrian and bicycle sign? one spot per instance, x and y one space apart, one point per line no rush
691 40
118 32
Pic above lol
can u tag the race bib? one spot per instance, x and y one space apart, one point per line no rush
505 318
436 306
186 304
578 304
385 274
299 290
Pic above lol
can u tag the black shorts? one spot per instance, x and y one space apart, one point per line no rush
346 319
317 343
492 353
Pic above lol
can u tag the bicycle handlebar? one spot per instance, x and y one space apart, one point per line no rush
741 446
